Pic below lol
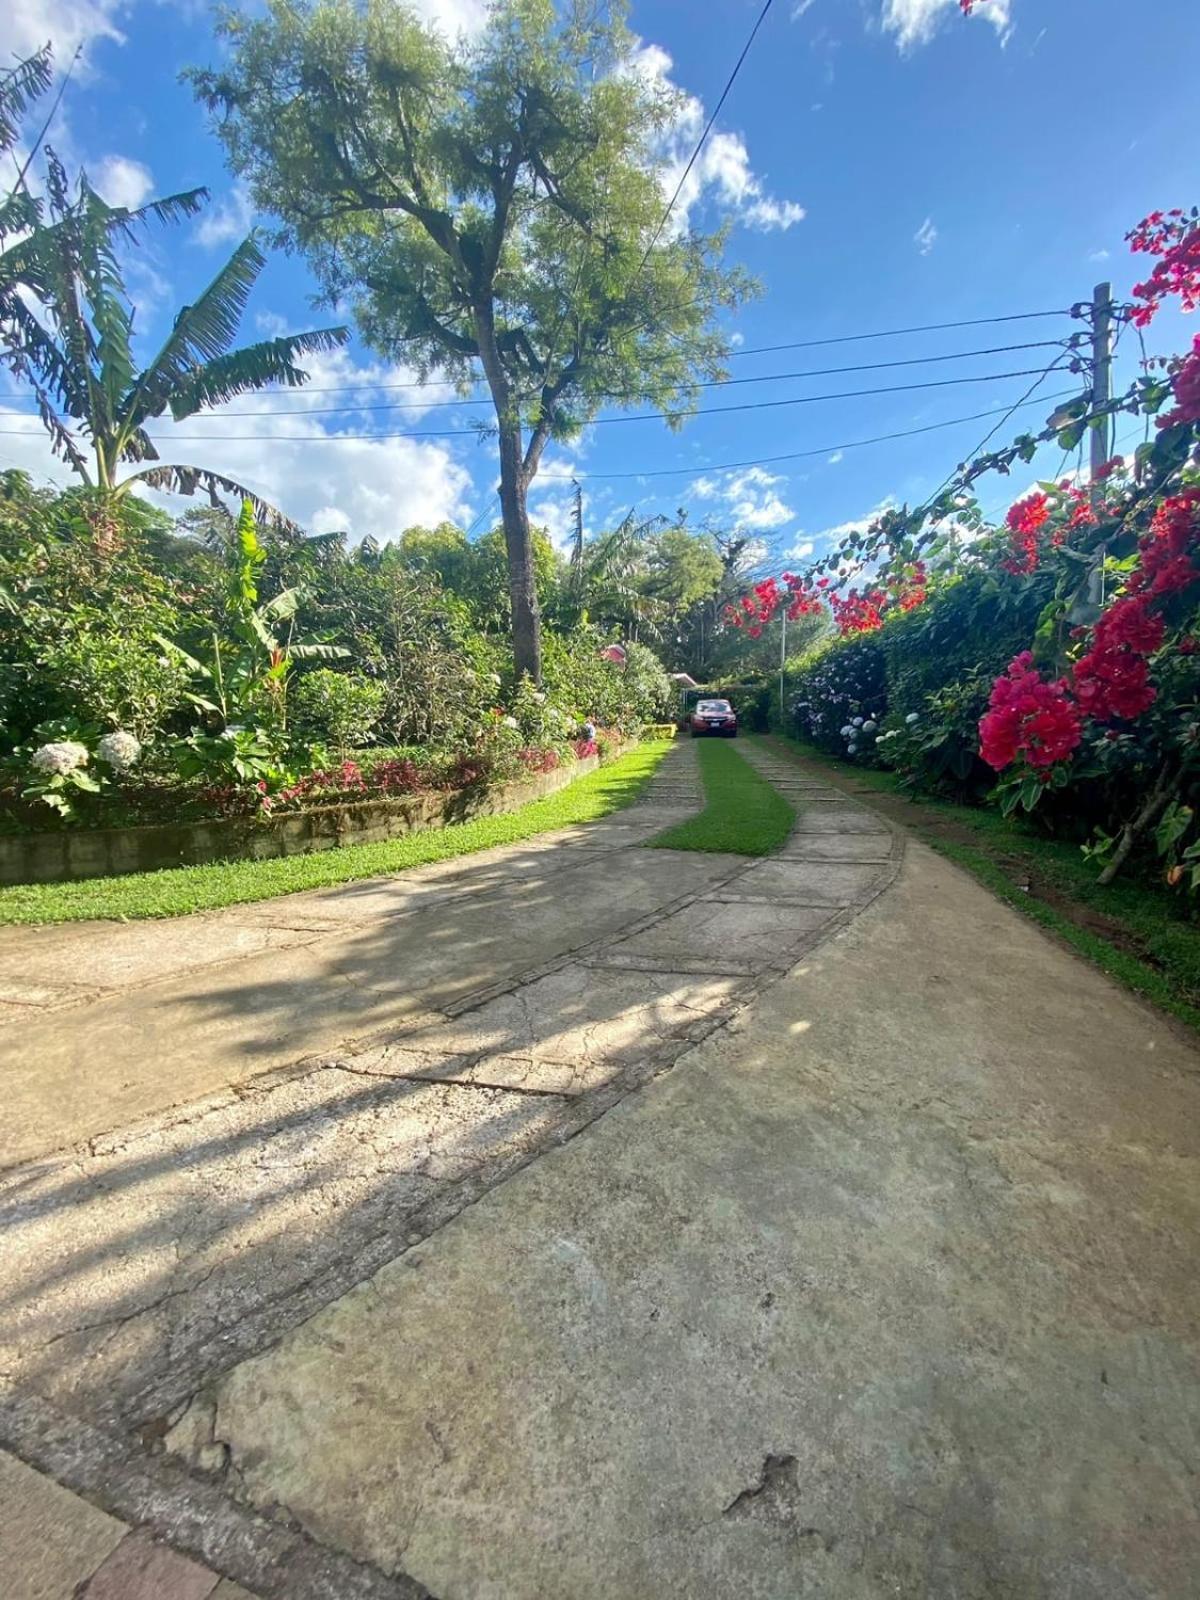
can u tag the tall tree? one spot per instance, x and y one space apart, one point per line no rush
76 352
495 202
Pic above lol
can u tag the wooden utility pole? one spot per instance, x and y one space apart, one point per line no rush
1101 382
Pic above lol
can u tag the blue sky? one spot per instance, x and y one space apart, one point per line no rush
886 164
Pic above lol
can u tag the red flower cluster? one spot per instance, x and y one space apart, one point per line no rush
1173 236
858 611
1029 717
854 612
1113 678
1025 520
1185 383
908 596
759 607
585 748
1168 551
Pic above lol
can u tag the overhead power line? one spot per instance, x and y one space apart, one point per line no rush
745 350
711 383
716 111
599 422
796 455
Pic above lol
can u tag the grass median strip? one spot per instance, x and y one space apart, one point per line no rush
1129 929
744 814
179 890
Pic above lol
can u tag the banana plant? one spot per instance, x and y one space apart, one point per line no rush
252 651
74 346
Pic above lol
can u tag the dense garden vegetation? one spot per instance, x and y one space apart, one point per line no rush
1051 665
210 667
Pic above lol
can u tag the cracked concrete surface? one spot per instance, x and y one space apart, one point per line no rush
886 1293
155 1252
889 1291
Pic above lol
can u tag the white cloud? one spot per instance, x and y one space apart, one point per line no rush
453 17
834 535
800 551
66 24
926 236
914 22
1098 255
800 7
722 171
552 503
370 486
838 455
122 181
751 499
228 222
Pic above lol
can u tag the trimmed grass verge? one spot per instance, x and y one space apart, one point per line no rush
179 890
1129 929
744 815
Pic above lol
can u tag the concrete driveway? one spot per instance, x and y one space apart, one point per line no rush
885 1289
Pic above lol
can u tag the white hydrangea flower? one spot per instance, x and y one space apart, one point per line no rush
60 756
119 750
511 722
911 718
858 722
869 726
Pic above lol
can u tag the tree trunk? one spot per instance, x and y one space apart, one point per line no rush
518 541
1166 787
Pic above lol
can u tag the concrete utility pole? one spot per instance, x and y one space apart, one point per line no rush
782 657
1101 381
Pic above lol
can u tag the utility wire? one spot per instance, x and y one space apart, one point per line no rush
599 422
992 432
737 67
710 383
748 350
795 455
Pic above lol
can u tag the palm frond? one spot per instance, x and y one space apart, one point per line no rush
20 86
201 333
253 367
176 479
318 652
33 355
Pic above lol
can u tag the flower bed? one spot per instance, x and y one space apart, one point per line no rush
104 852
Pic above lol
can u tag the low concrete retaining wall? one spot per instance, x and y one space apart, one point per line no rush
107 852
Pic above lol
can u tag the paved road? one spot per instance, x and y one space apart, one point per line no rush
885 1290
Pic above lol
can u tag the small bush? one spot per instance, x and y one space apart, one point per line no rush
339 709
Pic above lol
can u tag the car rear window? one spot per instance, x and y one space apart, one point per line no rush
709 708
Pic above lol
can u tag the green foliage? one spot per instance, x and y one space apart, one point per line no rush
243 673
494 200
580 680
78 355
839 697
80 639
339 709
936 750
181 890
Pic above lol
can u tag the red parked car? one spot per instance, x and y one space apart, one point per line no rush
716 717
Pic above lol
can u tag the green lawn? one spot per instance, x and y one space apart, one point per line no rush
1135 931
744 814
178 890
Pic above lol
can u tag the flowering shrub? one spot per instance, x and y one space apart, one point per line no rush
839 699
119 750
1029 718
1174 237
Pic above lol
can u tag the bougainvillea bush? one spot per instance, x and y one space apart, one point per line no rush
1052 662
